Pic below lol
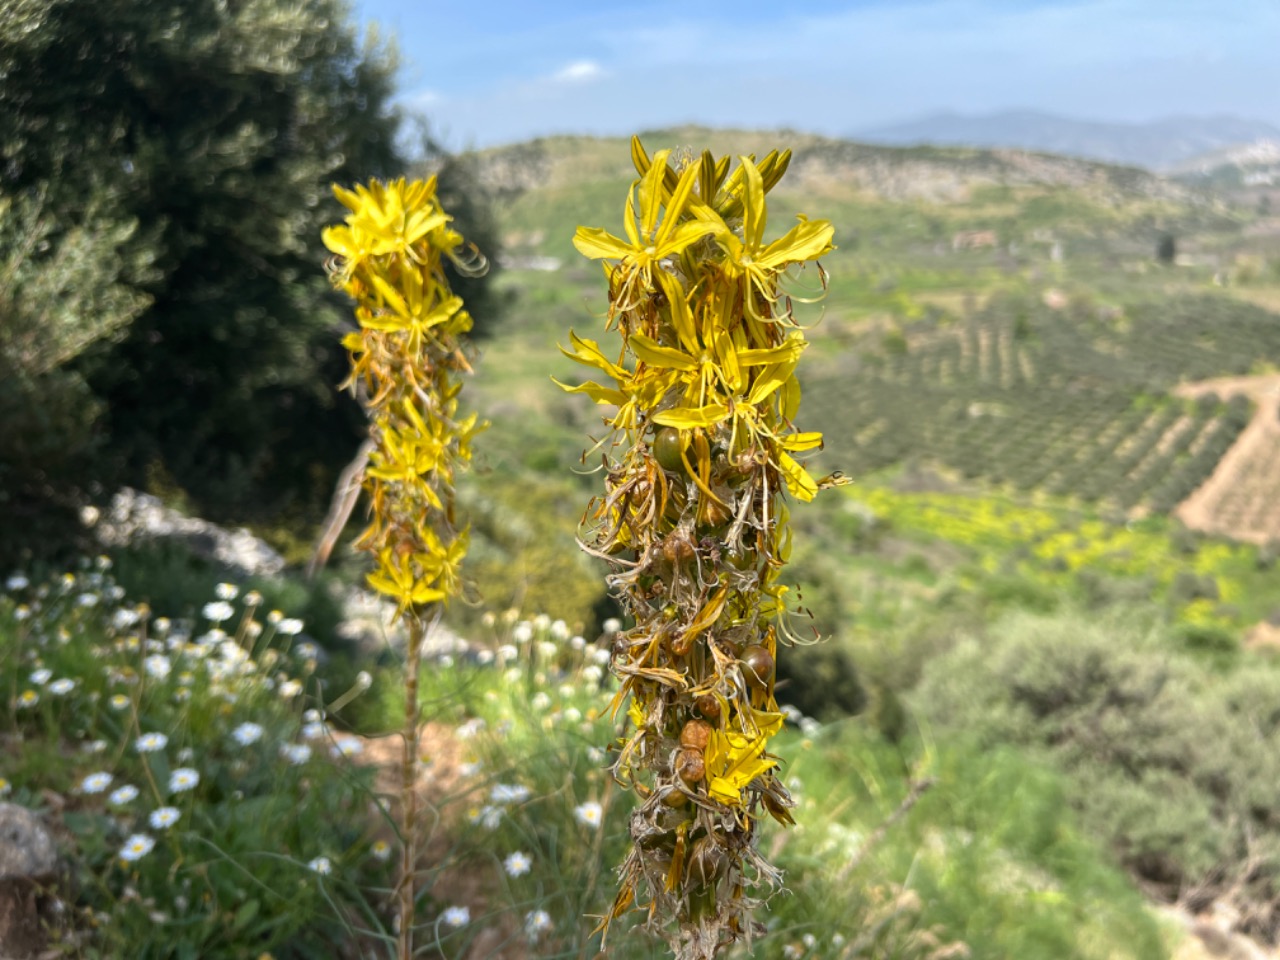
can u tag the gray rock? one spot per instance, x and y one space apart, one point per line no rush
132 518
26 845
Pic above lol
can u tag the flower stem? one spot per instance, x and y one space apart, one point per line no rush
408 786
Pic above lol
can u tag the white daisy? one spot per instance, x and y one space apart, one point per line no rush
40 677
61 687
163 817
588 814
157 666
17 582
96 782
137 847
456 917
184 778
380 851
289 626
119 701
124 618
536 922
247 733
28 698
509 793
122 795
321 865
151 742
517 864
347 747
226 591
218 611
296 753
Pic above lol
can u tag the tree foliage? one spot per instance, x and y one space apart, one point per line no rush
210 129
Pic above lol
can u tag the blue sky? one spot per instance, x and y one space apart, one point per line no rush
500 71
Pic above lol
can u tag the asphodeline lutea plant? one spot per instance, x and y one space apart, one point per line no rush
407 360
694 527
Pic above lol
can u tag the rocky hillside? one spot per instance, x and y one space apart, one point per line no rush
935 174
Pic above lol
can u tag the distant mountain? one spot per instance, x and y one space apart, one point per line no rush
1158 145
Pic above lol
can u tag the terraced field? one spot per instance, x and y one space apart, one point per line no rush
1241 499
1069 400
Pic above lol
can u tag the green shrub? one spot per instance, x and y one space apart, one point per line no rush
1164 759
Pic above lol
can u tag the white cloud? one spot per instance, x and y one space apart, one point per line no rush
421 99
579 71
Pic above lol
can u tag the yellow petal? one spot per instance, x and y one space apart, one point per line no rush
596 392
808 240
596 243
754 215
799 442
655 354
689 418
801 485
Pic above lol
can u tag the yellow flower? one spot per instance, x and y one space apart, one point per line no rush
733 760
648 240
758 264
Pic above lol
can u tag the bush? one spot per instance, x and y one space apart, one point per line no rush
1164 760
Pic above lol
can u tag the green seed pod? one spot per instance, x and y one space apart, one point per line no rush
667 444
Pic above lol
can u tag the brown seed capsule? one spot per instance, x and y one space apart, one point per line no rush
706 861
675 799
757 666
708 706
677 548
696 734
690 766
715 514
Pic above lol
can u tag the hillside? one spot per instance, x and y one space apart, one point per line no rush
943 174
995 314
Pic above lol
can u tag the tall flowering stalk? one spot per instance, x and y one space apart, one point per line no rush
407 359
694 527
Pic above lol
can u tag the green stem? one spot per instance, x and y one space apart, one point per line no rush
408 786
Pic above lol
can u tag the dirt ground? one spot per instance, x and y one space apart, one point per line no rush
1252 456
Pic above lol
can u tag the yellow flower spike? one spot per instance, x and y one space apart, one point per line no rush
694 526
409 354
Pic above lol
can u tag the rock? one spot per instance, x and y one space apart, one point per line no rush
27 849
133 518
28 862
